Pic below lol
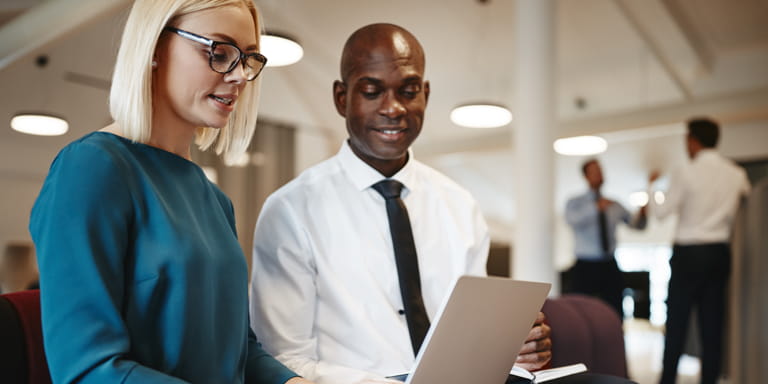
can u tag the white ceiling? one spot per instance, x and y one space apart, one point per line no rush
639 67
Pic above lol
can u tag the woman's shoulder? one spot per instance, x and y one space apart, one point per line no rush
97 155
92 144
84 173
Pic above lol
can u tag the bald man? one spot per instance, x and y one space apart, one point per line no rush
326 297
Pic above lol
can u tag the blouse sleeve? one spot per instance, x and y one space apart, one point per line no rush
261 367
81 228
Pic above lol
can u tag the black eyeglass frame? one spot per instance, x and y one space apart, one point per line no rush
212 45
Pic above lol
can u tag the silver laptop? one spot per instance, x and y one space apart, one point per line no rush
478 332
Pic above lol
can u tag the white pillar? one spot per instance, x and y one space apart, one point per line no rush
534 111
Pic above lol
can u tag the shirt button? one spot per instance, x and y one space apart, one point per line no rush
400 311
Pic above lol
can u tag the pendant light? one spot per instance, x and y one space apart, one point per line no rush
39 124
280 49
481 115
580 145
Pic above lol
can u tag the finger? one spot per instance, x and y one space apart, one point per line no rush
541 331
536 346
546 331
529 347
533 366
538 358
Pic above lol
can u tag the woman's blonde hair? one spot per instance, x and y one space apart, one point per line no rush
130 98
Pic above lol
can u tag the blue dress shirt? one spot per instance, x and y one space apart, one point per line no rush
582 215
142 279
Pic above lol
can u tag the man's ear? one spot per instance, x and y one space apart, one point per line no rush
426 92
340 97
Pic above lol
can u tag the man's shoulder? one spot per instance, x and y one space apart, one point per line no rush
321 174
578 198
433 179
716 160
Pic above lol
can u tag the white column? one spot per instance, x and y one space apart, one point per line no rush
532 141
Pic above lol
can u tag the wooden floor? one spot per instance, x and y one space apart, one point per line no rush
644 343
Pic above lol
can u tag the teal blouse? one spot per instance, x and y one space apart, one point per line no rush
142 279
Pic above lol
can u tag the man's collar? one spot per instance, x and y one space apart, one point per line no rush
705 152
362 175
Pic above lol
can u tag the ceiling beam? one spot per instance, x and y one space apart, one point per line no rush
17 5
47 22
728 109
693 38
645 31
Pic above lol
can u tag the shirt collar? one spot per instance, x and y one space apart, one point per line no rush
705 152
362 175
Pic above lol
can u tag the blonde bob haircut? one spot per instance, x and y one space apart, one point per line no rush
130 98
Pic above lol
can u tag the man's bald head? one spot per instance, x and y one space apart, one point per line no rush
376 41
382 94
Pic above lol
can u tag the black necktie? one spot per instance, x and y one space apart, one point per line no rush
603 227
407 263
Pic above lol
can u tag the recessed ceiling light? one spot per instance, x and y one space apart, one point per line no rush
481 115
280 50
580 145
39 124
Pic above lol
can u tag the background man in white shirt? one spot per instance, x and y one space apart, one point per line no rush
705 194
325 294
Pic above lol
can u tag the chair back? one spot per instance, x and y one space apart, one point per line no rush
22 358
586 330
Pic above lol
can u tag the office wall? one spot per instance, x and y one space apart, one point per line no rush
23 167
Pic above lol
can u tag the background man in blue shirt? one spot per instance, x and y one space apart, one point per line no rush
593 219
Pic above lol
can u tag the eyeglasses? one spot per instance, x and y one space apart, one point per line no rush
223 56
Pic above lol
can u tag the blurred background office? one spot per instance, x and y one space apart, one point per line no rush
627 73
18 267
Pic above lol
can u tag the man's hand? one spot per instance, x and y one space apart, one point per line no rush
537 350
653 176
603 204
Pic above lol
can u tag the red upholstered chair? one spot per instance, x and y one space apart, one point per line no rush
22 359
586 330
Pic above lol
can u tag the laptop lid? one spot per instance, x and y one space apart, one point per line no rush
478 331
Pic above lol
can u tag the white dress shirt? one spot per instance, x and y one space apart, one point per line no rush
325 298
705 194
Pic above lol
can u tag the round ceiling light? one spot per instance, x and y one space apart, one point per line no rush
39 124
580 145
481 115
280 50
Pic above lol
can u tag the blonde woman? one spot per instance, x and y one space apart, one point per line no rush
142 277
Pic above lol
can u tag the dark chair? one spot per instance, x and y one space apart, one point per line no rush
22 359
586 330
